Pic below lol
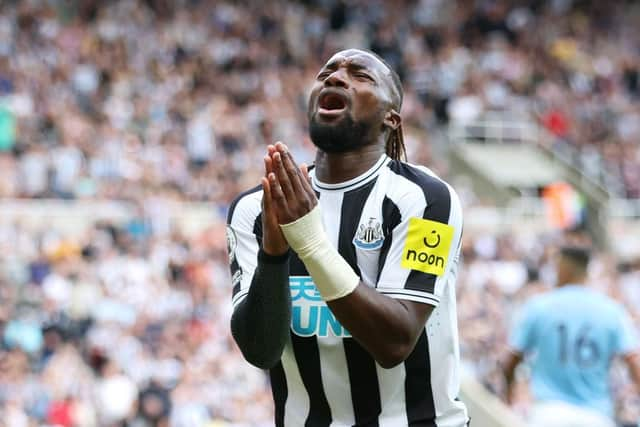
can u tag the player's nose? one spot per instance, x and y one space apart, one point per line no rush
338 78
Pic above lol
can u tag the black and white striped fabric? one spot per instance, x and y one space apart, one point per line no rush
399 227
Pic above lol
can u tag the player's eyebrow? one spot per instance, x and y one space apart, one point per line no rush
359 66
353 65
332 65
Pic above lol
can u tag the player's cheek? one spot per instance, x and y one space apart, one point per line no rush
369 101
313 96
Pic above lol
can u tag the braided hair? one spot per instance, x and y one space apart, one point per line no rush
394 145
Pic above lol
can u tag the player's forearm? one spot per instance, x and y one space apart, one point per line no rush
633 362
365 313
509 369
260 323
509 377
387 328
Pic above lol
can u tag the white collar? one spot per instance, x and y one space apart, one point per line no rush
358 181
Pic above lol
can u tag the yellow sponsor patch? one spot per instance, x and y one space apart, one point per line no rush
427 246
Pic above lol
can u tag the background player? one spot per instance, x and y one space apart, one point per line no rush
573 332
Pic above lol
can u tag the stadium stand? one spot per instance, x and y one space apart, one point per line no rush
163 108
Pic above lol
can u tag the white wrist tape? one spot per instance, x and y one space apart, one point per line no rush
332 275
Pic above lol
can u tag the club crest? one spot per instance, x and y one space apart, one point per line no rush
369 236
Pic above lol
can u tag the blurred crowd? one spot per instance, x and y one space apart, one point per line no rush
176 100
123 98
121 325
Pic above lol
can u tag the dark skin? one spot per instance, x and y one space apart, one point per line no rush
365 84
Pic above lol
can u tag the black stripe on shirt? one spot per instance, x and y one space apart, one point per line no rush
279 392
352 206
390 219
417 386
363 375
363 378
438 198
307 355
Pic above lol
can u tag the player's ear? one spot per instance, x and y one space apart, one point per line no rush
392 119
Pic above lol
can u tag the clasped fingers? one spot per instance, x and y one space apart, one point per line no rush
292 193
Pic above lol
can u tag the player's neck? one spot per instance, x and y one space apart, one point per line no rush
333 168
574 281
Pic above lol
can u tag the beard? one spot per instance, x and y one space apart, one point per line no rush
345 135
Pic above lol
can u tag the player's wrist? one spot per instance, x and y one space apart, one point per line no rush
269 257
274 247
306 234
332 275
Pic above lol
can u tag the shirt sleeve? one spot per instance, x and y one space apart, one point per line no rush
626 339
425 246
243 227
523 334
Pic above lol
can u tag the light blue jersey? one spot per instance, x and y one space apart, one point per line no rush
572 333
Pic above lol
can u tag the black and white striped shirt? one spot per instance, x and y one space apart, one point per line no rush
399 227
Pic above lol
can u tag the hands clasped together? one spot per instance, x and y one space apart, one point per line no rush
288 196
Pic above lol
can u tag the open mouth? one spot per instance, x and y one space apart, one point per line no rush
331 103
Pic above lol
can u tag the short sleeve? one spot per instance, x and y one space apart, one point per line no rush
243 229
425 244
626 338
523 333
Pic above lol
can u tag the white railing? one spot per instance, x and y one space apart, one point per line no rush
495 130
498 127
523 213
623 227
624 208
568 157
621 221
